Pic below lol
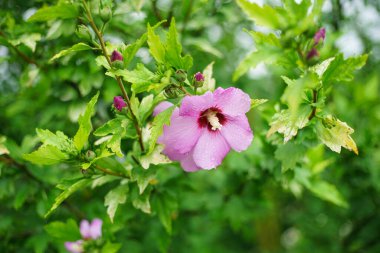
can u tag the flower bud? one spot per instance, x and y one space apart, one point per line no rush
117 60
171 91
320 35
118 103
83 32
313 52
199 79
90 155
116 56
105 14
180 75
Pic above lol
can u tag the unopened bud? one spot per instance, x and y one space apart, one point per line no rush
116 56
180 75
320 35
90 155
199 79
171 91
312 53
118 103
117 60
105 14
83 32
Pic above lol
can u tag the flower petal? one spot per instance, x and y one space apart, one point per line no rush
194 105
237 133
232 101
182 134
161 107
85 229
96 229
170 152
210 149
74 247
188 163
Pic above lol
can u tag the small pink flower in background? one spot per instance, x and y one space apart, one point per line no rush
116 56
88 231
320 35
119 103
91 230
74 247
205 128
199 77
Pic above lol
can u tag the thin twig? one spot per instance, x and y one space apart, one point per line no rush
184 90
109 172
21 54
118 78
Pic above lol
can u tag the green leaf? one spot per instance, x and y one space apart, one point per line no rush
158 123
141 78
173 49
115 197
268 55
283 123
341 69
67 192
29 40
142 203
327 191
146 107
77 47
3 149
59 140
155 45
294 93
289 154
156 48
110 127
156 157
263 40
85 126
320 68
117 128
205 46
60 11
257 102
68 231
46 155
111 247
102 62
165 205
264 16
336 134
130 50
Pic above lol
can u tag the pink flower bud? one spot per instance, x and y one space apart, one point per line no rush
313 52
116 56
199 77
320 35
119 103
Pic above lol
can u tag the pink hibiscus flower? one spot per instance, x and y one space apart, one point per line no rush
88 231
205 128
91 230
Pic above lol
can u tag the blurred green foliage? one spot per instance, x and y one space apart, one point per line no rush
296 196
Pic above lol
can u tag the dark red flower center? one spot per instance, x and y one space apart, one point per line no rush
211 118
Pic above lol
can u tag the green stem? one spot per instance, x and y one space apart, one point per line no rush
118 78
314 111
109 172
